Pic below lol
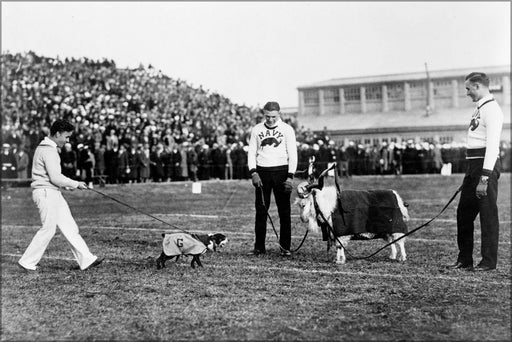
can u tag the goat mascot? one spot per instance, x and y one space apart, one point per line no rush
345 215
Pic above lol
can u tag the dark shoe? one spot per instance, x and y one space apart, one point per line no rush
256 252
94 264
285 253
459 264
482 268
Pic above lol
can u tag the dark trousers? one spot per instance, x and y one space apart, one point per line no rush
272 181
470 206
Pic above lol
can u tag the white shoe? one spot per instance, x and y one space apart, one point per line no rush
30 269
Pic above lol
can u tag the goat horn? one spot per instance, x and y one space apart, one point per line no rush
324 172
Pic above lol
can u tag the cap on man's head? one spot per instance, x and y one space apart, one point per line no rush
272 106
6 146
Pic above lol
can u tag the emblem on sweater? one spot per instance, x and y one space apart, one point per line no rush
270 142
270 138
475 121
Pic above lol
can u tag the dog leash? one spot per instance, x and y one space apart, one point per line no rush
274 228
392 242
136 209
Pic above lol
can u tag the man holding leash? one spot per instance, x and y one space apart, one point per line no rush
47 180
272 161
480 187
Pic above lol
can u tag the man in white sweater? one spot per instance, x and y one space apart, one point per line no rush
272 161
47 180
480 186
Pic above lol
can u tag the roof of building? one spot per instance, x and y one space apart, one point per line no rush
413 76
411 120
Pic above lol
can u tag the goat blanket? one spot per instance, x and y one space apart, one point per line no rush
182 244
369 211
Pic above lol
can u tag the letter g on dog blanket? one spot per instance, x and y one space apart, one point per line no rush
182 244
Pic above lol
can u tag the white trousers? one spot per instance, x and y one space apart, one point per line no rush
54 212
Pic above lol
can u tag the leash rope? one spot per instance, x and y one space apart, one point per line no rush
274 228
392 242
139 210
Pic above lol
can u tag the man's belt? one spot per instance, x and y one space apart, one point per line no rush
475 153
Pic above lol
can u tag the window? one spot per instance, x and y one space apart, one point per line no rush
353 94
393 140
395 91
374 93
496 84
331 96
367 141
310 97
418 89
445 140
443 88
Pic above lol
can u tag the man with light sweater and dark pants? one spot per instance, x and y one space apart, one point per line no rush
480 187
47 181
272 161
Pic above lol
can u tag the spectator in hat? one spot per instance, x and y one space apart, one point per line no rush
122 165
8 162
192 163
22 162
99 157
157 162
272 162
133 164
68 161
144 162
184 160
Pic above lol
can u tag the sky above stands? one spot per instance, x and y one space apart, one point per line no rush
254 52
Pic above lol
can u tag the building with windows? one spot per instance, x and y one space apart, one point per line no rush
373 109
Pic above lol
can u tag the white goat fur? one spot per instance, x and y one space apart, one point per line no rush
326 200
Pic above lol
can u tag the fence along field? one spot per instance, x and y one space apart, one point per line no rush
238 297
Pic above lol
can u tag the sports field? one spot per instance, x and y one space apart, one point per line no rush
238 297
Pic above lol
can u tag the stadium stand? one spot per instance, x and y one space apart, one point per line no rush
129 120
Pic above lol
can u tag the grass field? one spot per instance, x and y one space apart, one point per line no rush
238 297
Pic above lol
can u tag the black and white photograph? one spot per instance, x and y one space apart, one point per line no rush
255 171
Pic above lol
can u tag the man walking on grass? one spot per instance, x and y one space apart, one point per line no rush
47 180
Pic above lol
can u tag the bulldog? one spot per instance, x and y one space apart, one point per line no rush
175 245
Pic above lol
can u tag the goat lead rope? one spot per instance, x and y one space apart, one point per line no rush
392 242
139 210
274 228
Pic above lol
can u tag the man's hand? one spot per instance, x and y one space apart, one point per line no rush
256 180
82 186
481 188
288 185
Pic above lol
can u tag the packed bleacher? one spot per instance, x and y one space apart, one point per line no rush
139 125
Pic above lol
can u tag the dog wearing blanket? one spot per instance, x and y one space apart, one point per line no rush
175 245
353 215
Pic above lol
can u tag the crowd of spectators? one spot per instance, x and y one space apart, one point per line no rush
138 125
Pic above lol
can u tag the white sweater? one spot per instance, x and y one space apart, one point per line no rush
485 131
46 170
270 147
